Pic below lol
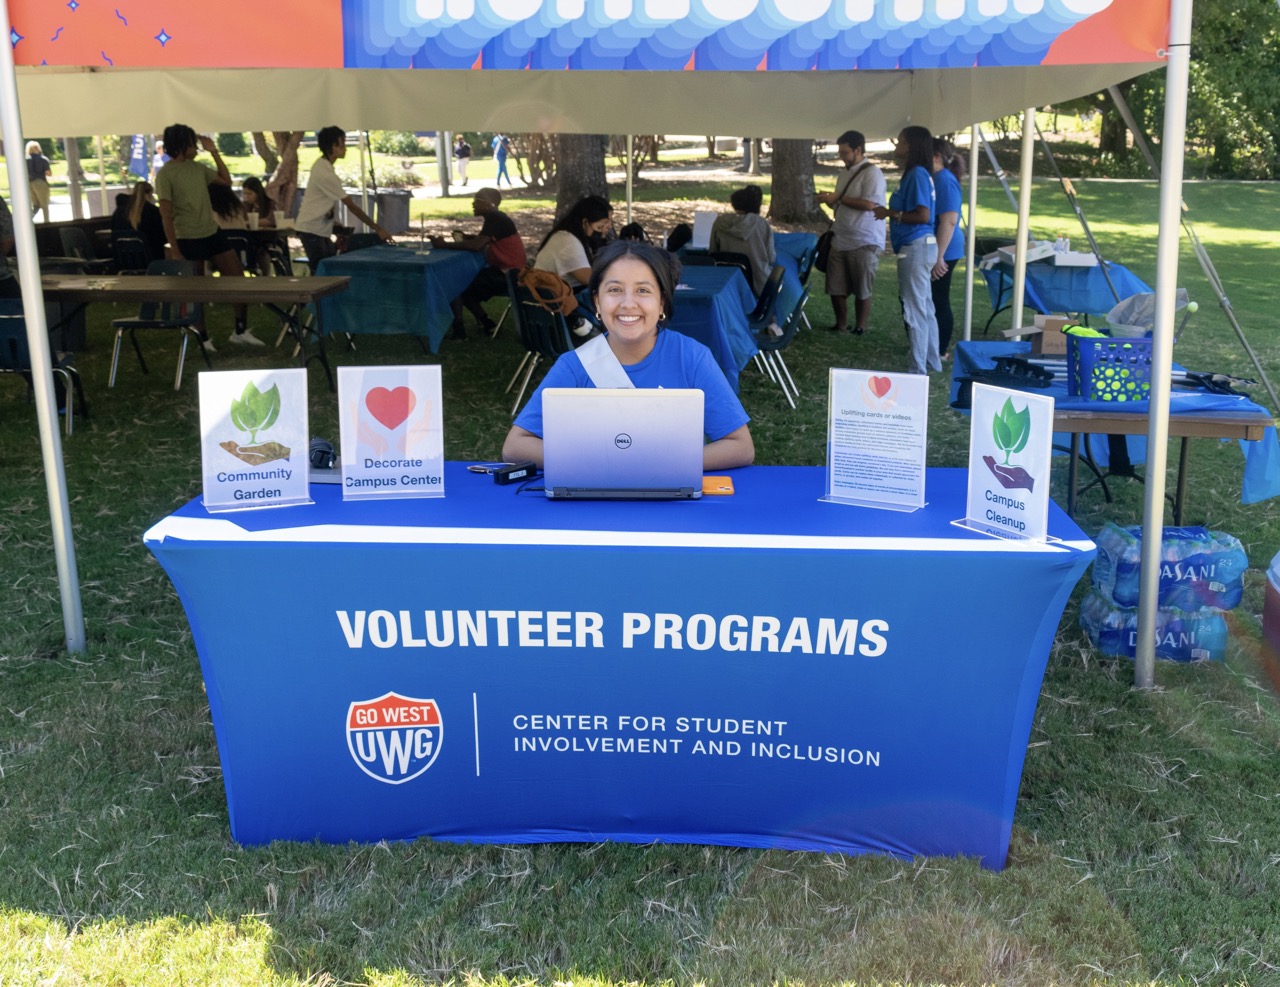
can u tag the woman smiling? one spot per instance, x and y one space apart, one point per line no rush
632 285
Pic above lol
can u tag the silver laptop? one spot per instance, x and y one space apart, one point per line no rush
622 443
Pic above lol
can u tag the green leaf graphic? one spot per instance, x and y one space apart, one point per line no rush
255 411
1011 429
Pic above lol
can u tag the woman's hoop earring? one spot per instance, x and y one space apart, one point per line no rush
599 318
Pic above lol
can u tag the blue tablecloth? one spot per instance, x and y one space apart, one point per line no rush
712 305
759 670
980 355
394 289
1078 290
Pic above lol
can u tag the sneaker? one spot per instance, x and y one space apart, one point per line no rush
207 346
775 329
246 338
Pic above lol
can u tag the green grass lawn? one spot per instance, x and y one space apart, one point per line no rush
1146 839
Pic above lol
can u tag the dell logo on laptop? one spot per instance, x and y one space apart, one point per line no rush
622 440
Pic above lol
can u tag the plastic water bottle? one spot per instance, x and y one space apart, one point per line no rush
1198 567
1181 635
1062 245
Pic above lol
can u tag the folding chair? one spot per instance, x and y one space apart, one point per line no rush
185 318
130 254
543 332
771 347
15 358
76 243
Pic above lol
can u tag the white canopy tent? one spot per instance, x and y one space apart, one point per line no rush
942 95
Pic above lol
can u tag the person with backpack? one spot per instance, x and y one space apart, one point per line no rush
461 157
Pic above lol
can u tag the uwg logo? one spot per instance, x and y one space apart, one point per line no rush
394 738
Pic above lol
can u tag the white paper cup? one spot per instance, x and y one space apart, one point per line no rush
279 217
253 220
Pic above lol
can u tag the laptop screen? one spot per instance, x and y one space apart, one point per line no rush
622 443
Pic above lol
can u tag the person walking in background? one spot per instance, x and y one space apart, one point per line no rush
38 177
501 149
158 160
744 231
911 210
314 226
948 170
857 233
182 187
461 157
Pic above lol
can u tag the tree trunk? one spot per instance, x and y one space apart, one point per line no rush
283 182
1113 134
270 160
793 200
580 168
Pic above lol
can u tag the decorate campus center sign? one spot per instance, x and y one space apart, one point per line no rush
702 35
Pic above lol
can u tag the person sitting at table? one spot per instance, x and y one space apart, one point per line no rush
190 229
314 225
503 250
228 210
568 249
257 203
745 231
140 216
633 231
632 286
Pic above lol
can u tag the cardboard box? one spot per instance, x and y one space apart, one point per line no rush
1074 258
1046 335
1038 250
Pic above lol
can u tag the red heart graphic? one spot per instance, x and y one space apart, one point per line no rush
392 407
880 386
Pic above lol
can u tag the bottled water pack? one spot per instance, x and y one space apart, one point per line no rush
1198 567
1181 635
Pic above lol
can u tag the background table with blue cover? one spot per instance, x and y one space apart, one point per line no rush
1238 415
394 289
1078 290
761 669
712 306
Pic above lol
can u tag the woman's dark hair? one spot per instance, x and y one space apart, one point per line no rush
177 138
590 209
633 231
680 235
749 198
224 201
919 148
951 159
664 265
265 205
326 139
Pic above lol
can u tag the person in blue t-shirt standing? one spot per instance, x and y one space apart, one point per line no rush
911 210
948 169
501 149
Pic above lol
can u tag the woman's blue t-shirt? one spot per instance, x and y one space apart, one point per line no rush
676 361
916 190
949 199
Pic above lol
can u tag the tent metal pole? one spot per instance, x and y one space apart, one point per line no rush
364 179
970 239
1173 145
996 169
24 231
102 178
444 160
630 170
1202 255
1024 213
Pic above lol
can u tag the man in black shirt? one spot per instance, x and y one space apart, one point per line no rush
503 250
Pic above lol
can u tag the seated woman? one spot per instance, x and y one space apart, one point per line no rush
256 200
632 286
745 231
228 210
568 249
140 215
